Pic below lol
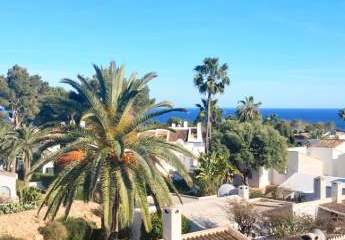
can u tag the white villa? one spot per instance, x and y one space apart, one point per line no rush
189 137
321 158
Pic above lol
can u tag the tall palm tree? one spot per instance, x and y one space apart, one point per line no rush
22 143
248 110
211 78
114 152
216 112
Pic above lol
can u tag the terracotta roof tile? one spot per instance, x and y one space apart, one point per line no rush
178 134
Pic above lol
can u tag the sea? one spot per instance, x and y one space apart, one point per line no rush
310 115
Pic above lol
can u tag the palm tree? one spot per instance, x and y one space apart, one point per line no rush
113 153
216 112
210 79
248 110
21 143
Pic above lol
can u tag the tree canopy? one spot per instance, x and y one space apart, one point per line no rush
253 145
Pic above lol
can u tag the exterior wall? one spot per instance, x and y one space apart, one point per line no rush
339 166
325 155
8 184
260 178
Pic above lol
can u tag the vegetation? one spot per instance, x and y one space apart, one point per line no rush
216 112
211 78
78 229
22 142
115 156
214 169
284 224
244 215
54 231
157 227
248 110
253 145
14 207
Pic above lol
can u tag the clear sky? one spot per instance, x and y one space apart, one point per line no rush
284 53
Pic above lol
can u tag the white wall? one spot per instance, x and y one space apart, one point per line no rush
325 155
8 183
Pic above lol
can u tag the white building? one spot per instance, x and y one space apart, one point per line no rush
321 158
189 137
8 185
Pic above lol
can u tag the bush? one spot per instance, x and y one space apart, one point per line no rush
78 229
15 207
30 196
157 227
256 193
285 224
54 231
244 215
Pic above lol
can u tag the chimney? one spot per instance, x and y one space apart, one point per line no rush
199 132
243 192
185 124
337 192
320 188
172 224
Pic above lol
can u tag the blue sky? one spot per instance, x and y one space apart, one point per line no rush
284 53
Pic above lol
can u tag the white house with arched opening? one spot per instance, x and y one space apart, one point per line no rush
8 185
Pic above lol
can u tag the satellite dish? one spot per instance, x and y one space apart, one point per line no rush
227 190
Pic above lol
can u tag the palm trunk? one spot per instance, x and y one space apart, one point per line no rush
27 169
114 234
208 124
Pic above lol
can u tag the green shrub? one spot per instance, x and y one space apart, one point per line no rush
30 195
54 231
284 224
78 229
256 193
157 227
9 208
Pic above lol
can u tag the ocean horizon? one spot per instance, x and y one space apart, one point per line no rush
311 115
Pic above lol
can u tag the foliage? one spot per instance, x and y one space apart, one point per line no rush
78 229
120 160
157 227
210 78
248 110
256 193
283 224
213 170
175 120
54 231
283 127
244 215
21 93
30 195
253 145
13 207
216 112
25 140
